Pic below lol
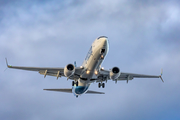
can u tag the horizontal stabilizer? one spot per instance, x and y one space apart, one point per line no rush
60 90
70 91
94 92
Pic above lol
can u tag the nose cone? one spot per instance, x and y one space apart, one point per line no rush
105 42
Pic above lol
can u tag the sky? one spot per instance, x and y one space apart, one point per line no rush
143 35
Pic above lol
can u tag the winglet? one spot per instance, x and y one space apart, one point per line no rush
161 78
161 72
7 63
161 75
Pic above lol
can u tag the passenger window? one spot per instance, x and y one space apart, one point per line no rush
89 53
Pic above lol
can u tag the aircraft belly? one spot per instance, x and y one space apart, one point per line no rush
91 66
81 88
92 63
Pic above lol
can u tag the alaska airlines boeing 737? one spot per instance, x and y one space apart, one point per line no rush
90 71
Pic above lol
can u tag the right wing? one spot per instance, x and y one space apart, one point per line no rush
125 76
130 76
56 72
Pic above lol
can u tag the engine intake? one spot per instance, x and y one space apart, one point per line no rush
114 73
69 70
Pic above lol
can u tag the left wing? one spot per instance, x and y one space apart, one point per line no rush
57 72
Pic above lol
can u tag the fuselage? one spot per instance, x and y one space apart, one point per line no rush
91 65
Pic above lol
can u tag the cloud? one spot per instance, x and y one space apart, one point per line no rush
143 38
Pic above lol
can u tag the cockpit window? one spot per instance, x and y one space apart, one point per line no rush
102 37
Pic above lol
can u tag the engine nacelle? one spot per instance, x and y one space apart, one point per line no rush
114 73
69 70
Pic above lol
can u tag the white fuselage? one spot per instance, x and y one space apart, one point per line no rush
91 64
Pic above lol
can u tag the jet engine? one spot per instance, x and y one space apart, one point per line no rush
114 73
69 70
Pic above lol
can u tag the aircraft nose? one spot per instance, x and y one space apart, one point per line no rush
105 41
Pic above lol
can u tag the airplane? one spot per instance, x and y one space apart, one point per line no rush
89 72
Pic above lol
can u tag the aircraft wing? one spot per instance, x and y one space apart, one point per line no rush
127 76
56 72
130 76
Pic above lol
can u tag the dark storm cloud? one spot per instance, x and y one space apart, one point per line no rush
143 38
